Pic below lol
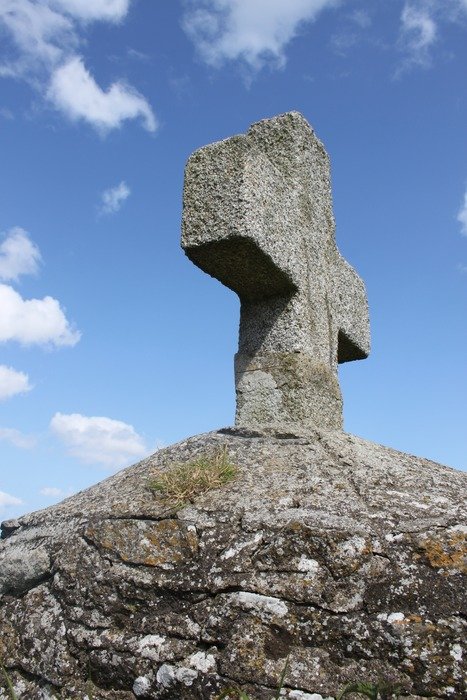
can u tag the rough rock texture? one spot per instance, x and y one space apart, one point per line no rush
257 215
348 556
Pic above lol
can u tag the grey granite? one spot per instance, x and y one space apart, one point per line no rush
258 216
348 556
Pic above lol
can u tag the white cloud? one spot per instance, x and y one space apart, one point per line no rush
453 9
97 439
16 438
47 30
418 32
18 255
44 36
462 215
12 383
51 492
55 494
113 198
255 32
421 29
88 10
34 321
74 92
28 321
38 33
7 500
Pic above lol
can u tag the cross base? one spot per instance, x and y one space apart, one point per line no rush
286 388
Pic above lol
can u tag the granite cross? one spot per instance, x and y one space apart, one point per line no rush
258 216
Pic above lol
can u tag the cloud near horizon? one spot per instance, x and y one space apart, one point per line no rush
52 492
17 438
7 500
44 36
98 439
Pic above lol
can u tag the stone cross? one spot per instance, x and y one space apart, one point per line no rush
257 215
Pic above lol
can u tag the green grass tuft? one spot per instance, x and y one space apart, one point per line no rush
182 483
374 691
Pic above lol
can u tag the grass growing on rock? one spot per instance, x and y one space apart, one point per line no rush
182 483
374 691
9 684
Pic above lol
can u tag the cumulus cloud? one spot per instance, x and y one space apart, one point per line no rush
44 37
38 35
255 32
16 438
98 440
113 198
74 92
7 500
12 383
18 255
34 321
27 321
462 215
46 30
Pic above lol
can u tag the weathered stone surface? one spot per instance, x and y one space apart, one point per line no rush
258 216
347 555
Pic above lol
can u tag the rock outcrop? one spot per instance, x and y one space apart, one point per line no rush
344 556
328 556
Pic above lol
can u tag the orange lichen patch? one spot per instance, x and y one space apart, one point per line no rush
412 620
8 641
447 553
167 542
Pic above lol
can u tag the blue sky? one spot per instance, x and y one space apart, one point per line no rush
111 342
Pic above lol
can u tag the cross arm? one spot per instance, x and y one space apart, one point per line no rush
233 224
350 310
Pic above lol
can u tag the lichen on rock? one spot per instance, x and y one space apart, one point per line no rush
344 556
